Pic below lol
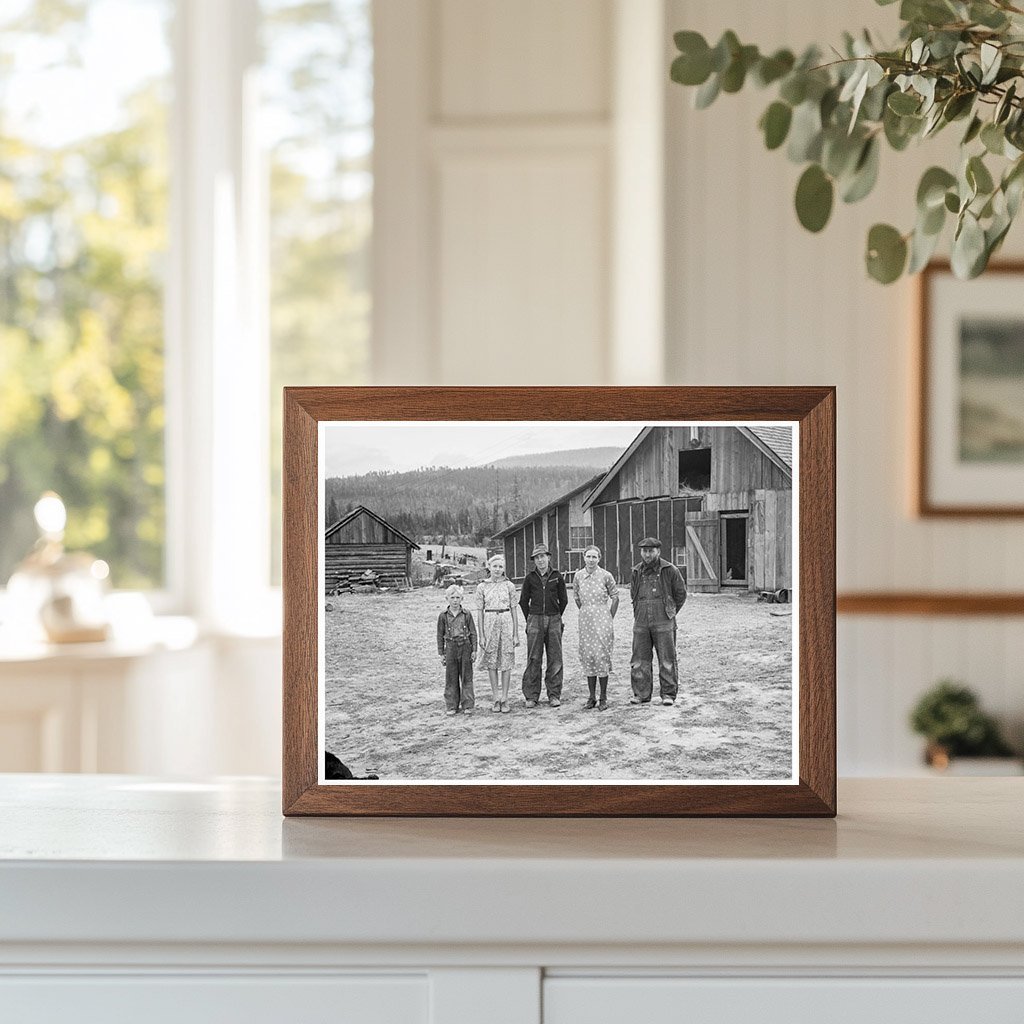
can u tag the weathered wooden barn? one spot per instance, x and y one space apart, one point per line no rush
563 524
719 499
363 540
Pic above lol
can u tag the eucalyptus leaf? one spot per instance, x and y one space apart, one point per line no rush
707 93
958 105
840 152
903 103
993 138
978 176
805 133
972 132
814 195
968 247
775 124
886 253
922 248
794 88
771 69
991 60
987 15
932 221
865 173
724 51
931 190
1004 106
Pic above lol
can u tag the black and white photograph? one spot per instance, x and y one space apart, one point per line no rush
544 602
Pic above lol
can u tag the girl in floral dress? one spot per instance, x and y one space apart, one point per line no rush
499 629
597 597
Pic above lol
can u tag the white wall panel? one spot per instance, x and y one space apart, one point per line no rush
752 298
531 58
521 273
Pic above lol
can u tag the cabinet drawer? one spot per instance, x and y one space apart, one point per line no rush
626 1000
202 999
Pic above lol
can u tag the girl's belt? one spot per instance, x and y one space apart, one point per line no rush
494 611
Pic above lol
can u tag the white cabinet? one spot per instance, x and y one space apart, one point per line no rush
201 999
823 1000
141 899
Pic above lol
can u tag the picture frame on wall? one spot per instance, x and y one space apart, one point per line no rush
969 448
593 601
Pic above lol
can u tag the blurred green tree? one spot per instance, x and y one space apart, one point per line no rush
83 228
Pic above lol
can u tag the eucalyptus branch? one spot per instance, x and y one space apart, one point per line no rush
833 117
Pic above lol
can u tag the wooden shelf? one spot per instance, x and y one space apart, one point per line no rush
928 603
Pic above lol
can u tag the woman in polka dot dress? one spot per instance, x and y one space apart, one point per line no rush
597 597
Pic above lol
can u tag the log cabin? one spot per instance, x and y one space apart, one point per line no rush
363 540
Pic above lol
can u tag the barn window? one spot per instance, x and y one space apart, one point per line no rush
580 536
695 469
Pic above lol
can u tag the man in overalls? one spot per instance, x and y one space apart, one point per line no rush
658 591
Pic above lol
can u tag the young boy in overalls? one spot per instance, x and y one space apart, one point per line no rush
456 645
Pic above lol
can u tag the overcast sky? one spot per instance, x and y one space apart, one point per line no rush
374 446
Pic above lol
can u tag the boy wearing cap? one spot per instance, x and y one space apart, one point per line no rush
543 600
658 591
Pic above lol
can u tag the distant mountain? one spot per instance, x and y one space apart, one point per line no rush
463 504
590 458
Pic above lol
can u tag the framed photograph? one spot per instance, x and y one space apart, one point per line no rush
559 601
970 444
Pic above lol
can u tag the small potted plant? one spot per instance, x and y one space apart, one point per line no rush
950 717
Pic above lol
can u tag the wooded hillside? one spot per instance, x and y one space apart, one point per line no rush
463 505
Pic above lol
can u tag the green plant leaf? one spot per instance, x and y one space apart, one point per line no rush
900 130
931 191
839 151
693 65
987 15
952 202
993 138
904 103
991 60
978 176
771 69
725 49
775 124
707 93
865 173
958 106
973 129
794 88
1004 106
886 254
968 255
922 247
735 74
805 133
814 194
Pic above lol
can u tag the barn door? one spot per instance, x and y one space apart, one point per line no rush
703 554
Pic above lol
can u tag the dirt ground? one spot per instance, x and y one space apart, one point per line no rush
385 709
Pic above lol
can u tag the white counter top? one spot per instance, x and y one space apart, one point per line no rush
118 859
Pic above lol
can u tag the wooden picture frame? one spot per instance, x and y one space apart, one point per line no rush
810 791
954 477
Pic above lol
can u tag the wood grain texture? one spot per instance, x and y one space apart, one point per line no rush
925 603
923 504
812 407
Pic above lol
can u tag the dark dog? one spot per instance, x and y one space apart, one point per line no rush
335 768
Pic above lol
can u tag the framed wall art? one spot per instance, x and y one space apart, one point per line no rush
559 601
970 422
